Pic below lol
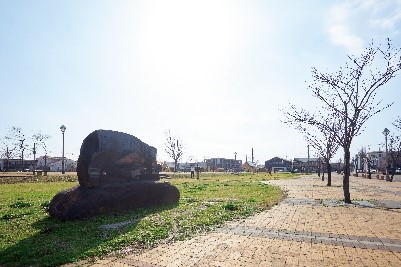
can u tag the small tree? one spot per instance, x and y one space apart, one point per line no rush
20 143
173 148
326 148
7 149
322 140
41 140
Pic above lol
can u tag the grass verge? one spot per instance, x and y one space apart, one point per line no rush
29 237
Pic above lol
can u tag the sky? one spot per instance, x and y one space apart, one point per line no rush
217 74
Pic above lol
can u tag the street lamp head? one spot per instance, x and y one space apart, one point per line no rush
62 128
386 131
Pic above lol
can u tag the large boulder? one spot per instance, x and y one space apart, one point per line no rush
80 202
111 157
117 172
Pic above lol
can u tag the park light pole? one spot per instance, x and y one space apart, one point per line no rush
235 161
34 158
386 132
62 128
356 165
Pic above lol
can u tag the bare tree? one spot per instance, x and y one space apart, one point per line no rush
173 148
349 95
322 140
326 147
397 124
20 143
41 140
8 148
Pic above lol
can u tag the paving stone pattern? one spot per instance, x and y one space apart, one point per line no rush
311 227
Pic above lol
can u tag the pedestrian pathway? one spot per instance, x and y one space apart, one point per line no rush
311 227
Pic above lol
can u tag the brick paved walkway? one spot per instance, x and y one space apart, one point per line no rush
312 227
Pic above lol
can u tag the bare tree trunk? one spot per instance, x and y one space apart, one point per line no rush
328 172
323 174
347 196
392 169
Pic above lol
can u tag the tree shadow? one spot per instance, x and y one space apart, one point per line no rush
58 242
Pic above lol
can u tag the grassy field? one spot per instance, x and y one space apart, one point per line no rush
28 236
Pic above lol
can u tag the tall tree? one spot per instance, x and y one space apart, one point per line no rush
349 95
173 148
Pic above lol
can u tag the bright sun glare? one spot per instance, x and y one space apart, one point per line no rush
186 40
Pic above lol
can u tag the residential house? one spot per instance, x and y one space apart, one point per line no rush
250 166
168 166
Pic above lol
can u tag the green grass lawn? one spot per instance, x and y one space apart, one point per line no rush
28 236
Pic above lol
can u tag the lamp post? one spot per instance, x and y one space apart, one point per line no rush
356 165
235 161
386 132
292 165
62 128
34 158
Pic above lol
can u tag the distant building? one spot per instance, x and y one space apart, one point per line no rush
214 164
183 167
17 164
377 161
54 164
278 164
306 164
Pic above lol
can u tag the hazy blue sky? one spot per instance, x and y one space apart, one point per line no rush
215 73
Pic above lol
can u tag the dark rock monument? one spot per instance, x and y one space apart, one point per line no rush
110 157
116 172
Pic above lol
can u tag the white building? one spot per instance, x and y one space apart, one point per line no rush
55 164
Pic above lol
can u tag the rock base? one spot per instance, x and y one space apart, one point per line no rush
80 202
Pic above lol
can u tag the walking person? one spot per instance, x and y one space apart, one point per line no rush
197 169
192 171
